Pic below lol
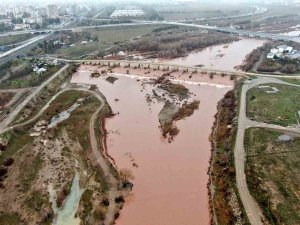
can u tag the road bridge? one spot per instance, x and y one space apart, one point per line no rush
168 67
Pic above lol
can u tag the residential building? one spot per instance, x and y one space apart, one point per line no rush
270 55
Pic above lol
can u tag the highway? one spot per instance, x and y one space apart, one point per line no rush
228 30
5 57
25 44
12 53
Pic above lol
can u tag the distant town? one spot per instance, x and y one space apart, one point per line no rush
153 112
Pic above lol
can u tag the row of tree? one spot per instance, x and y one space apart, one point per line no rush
176 45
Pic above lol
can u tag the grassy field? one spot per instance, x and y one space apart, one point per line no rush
279 108
80 50
291 81
120 34
106 37
272 172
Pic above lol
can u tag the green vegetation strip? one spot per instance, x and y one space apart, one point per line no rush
273 179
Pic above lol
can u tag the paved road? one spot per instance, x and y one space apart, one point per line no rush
214 28
11 116
252 209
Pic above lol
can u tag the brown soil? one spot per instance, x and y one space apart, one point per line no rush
5 98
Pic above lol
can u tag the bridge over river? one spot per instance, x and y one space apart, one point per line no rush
171 67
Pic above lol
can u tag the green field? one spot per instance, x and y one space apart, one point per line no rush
105 38
272 172
79 50
291 81
121 34
279 108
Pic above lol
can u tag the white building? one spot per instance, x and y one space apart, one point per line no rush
21 26
33 20
271 55
128 11
284 48
274 50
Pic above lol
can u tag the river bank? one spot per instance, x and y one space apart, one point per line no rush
165 174
225 205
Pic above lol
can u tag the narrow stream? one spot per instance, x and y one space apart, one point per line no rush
66 214
62 116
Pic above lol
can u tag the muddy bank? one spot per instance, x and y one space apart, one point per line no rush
225 205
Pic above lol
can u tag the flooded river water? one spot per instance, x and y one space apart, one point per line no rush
220 57
170 184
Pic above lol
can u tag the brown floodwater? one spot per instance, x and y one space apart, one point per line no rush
170 184
220 57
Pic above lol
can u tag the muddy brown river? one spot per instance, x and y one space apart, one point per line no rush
170 184
220 57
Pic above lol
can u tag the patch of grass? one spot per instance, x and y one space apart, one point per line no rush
10 219
100 178
79 50
6 97
63 102
16 140
273 174
87 203
14 39
111 79
291 81
36 200
29 170
121 34
279 108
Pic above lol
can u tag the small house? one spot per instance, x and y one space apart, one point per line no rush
270 55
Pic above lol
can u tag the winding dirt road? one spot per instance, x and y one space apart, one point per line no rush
252 209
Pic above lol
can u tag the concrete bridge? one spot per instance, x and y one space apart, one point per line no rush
167 67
